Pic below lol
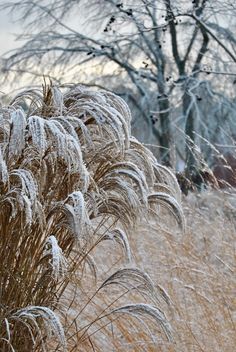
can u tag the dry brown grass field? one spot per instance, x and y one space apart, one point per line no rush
197 269
98 251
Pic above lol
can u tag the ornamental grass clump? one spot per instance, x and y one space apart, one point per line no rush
73 178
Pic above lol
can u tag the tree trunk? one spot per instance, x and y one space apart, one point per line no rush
189 132
165 133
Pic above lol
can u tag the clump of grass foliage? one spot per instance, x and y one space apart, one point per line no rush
73 179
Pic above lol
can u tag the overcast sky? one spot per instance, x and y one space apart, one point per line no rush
7 29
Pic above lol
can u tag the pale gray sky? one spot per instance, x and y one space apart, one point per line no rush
7 29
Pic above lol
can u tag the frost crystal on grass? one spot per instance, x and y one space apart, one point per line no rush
76 213
36 129
27 193
17 136
58 261
141 309
120 236
52 324
3 168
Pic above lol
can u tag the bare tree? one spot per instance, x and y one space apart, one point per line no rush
157 54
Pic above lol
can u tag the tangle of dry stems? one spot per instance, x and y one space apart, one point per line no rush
71 177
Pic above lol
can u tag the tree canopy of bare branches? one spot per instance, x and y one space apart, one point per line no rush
173 61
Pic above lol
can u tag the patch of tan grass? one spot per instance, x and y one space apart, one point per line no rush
198 270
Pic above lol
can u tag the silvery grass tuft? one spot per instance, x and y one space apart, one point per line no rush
71 178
